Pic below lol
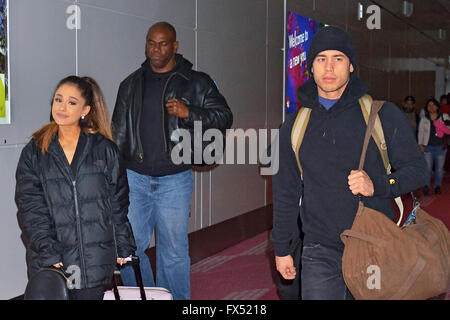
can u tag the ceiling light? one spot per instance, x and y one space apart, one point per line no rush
360 11
408 8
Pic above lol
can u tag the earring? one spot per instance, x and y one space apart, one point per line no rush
82 117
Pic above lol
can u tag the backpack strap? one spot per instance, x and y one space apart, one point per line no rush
298 132
367 104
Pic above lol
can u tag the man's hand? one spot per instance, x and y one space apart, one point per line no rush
285 266
177 108
360 183
422 148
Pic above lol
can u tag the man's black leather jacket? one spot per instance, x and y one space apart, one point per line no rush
196 89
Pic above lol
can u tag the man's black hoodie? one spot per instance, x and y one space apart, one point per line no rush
331 148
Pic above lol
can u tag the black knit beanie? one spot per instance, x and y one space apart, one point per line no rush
331 38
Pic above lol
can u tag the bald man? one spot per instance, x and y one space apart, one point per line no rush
164 94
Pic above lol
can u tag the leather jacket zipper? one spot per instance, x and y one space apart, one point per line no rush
138 136
163 114
80 238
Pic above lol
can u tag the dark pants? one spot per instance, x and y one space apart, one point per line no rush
95 293
322 274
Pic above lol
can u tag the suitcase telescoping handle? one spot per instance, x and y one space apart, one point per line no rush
134 262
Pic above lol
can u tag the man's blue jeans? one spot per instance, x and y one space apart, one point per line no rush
435 155
322 274
161 204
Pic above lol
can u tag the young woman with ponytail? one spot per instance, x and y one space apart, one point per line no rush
71 192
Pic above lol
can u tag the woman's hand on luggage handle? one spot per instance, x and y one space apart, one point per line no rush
121 261
285 266
58 265
360 183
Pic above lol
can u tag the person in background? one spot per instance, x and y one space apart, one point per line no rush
445 109
432 141
71 192
408 110
444 101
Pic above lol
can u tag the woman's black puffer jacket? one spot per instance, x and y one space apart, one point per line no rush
78 220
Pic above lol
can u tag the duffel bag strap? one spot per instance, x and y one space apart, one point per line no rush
377 133
376 106
412 277
372 122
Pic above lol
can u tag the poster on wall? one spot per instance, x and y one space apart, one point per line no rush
5 112
299 32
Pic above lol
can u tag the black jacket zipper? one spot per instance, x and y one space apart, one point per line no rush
163 112
80 238
138 134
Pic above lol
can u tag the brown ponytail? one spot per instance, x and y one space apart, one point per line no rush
97 120
44 135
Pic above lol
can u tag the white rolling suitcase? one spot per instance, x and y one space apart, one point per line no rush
136 293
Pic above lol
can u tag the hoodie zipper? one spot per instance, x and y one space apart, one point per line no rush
80 239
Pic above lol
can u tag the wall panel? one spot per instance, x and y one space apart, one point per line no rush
229 40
